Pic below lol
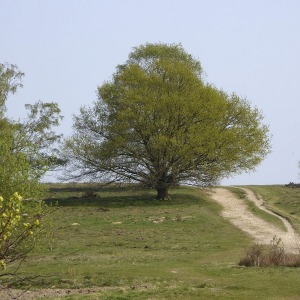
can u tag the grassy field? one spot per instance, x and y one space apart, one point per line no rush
130 246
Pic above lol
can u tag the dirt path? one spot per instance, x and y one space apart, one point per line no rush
236 211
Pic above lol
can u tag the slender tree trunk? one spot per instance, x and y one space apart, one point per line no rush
162 193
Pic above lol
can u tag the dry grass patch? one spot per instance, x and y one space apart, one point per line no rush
274 255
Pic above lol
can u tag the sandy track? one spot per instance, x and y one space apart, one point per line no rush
236 211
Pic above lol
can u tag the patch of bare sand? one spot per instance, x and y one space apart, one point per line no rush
236 211
9 294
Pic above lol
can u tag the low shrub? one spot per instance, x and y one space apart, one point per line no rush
275 255
253 257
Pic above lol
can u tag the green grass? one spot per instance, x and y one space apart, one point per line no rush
255 210
130 246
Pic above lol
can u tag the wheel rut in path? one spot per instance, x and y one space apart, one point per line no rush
237 212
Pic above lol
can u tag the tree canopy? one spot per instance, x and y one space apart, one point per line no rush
10 81
28 148
158 123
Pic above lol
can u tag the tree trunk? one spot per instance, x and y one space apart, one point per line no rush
162 193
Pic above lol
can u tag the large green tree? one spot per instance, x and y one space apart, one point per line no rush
157 122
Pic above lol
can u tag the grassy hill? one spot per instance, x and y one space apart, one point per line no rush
134 247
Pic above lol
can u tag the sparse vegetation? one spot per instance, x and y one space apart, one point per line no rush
274 255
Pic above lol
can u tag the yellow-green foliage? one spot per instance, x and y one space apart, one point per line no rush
17 229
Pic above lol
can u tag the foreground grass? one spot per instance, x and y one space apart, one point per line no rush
130 246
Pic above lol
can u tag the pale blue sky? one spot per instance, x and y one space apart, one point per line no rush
252 47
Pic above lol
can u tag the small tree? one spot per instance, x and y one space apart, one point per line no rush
28 148
27 152
158 123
